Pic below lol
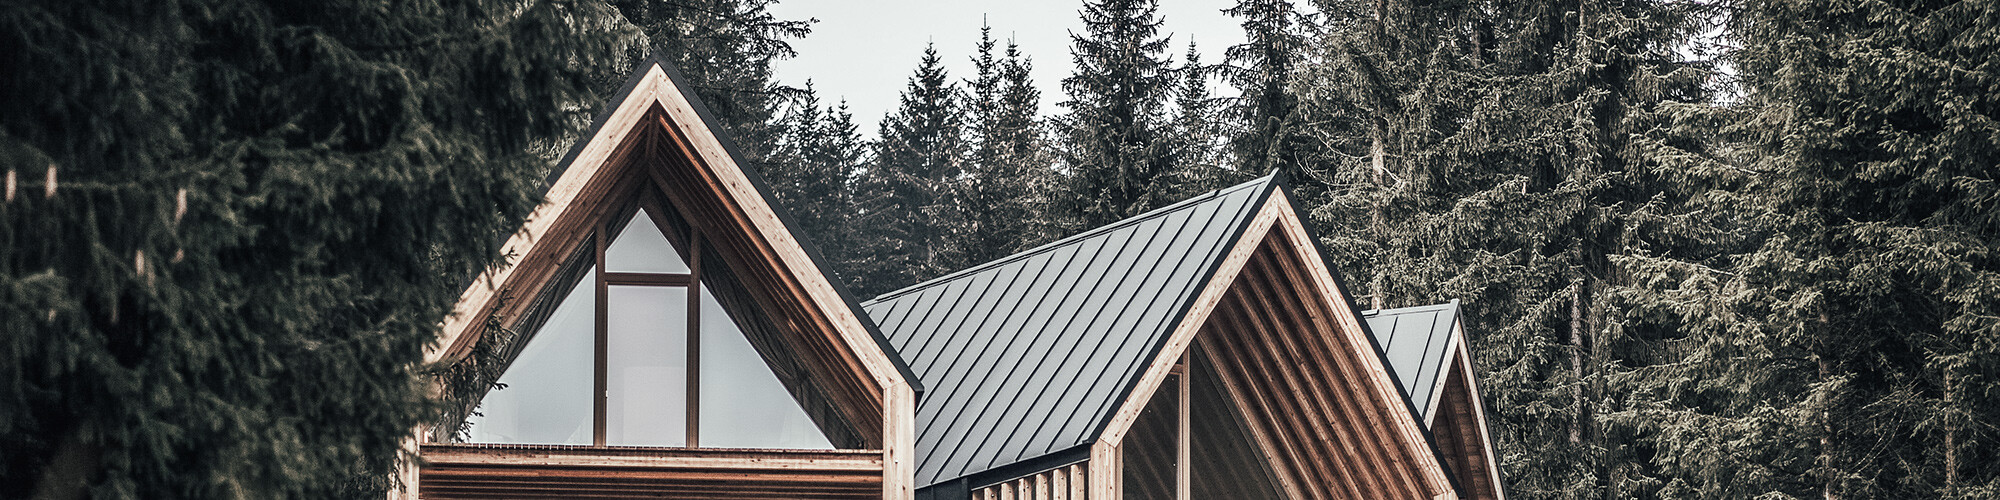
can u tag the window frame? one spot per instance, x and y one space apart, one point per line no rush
603 232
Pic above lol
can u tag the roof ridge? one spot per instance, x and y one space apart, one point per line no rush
1412 309
1068 240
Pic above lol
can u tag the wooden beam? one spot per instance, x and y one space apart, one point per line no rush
1371 364
1314 448
1235 390
1331 390
1183 334
467 313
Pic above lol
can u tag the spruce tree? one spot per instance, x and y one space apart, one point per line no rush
1008 180
1526 159
1874 136
812 172
1265 113
1198 132
1118 157
910 213
230 228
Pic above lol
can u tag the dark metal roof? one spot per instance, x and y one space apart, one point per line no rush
1028 356
1417 341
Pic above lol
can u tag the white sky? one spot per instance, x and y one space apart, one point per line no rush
866 50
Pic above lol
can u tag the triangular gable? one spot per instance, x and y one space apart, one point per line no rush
656 138
1333 415
1027 356
1042 359
1432 359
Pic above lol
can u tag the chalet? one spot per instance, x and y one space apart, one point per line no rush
665 335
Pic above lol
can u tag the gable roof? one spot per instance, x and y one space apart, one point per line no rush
594 142
1419 342
1030 355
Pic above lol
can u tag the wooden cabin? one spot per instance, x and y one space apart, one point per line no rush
1201 350
665 335
673 338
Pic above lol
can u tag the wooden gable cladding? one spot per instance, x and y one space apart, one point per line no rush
515 471
1316 394
1459 424
655 148
1306 401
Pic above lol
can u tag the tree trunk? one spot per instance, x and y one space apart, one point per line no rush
1375 209
1577 324
1828 477
1950 430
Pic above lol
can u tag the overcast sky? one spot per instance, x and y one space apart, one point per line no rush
866 50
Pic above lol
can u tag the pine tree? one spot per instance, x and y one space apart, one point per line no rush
1008 181
1265 113
230 228
1873 135
1118 159
910 213
1198 133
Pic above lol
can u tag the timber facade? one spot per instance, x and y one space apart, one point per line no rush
666 335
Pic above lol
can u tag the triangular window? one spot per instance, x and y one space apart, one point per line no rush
614 364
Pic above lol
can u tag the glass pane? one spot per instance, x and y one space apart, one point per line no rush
646 369
1152 446
1227 463
546 397
642 248
742 403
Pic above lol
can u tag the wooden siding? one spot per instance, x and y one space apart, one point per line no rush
1069 482
1303 389
526 471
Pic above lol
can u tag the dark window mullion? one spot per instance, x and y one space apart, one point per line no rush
600 383
694 341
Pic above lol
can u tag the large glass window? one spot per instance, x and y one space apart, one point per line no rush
1190 441
546 399
639 354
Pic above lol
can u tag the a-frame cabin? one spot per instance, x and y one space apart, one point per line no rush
673 339
1201 350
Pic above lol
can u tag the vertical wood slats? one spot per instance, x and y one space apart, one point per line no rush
1359 411
1276 348
1069 482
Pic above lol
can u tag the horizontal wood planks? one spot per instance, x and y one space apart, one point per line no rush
521 471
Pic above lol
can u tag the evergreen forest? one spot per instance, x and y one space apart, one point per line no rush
1708 248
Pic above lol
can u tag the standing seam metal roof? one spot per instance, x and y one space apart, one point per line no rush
1417 341
1027 356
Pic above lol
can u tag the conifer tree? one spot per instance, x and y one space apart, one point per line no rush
1267 131
1118 158
230 228
1198 132
910 214
1515 158
1008 178
812 173
1874 134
